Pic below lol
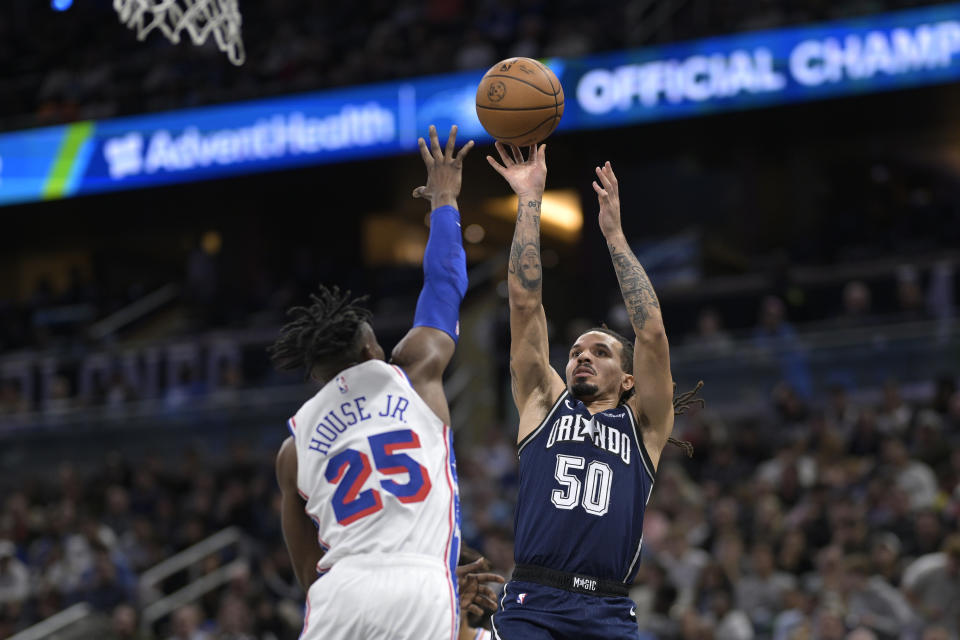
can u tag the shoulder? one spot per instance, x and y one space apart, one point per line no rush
534 417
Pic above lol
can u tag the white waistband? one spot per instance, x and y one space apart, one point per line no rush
388 560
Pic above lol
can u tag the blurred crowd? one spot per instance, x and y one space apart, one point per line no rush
87 535
83 63
58 324
835 520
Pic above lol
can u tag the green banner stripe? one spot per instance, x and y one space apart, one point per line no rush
77 134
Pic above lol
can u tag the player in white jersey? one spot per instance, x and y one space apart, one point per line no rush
368 478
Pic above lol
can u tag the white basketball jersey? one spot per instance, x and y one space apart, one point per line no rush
376 468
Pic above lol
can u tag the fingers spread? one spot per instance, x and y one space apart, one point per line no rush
496 165
471 567
425 153
608 169
451 143
464 151
507 162
604 179
517 154
435 143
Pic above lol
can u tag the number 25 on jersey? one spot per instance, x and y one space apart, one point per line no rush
350 469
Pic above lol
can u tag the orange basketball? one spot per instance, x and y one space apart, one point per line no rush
519 101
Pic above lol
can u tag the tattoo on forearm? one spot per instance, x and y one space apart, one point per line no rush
638 294
525 250
533 205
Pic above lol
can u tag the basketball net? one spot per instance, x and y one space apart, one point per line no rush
199 18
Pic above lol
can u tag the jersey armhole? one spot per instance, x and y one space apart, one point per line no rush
403 374
546 418
644 456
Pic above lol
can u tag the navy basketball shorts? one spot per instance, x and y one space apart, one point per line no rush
530 611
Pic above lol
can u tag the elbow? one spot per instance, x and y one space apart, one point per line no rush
653 336
524 305
522 299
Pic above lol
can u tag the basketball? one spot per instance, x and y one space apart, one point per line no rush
519 101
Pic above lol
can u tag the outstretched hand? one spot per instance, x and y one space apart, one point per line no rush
526 177
475 595
608 195
444 169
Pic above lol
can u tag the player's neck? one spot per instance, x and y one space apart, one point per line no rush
600 404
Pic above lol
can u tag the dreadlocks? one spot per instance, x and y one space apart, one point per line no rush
322 335
681 402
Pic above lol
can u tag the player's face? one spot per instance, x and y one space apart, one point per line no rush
594 367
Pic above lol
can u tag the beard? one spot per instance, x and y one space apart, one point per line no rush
582 389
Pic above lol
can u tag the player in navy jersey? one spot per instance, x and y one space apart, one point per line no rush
589 447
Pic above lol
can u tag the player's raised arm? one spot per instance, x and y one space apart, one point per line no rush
534 382
653 401
427 348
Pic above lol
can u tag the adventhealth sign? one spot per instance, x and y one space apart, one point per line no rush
876 53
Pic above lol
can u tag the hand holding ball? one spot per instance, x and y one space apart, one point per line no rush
519 101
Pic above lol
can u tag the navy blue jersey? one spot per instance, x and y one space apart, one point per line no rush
584 483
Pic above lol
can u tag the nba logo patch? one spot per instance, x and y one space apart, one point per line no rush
342 384
521 597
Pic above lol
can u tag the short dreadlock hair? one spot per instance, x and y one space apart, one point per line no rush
681 402
323 336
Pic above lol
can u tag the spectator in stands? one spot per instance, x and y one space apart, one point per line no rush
107 584
895 415
871 602
940 293
234 620
683 563
910 306
710 340
857 306
914 478
885 557
866 438
829 624
14 577
761 590
123 624
186 624
775 340
937 633
932 585
12 401
729 623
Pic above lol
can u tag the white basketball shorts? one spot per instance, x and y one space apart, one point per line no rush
383 596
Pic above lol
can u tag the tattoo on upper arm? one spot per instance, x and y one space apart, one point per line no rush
525 250
638 294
